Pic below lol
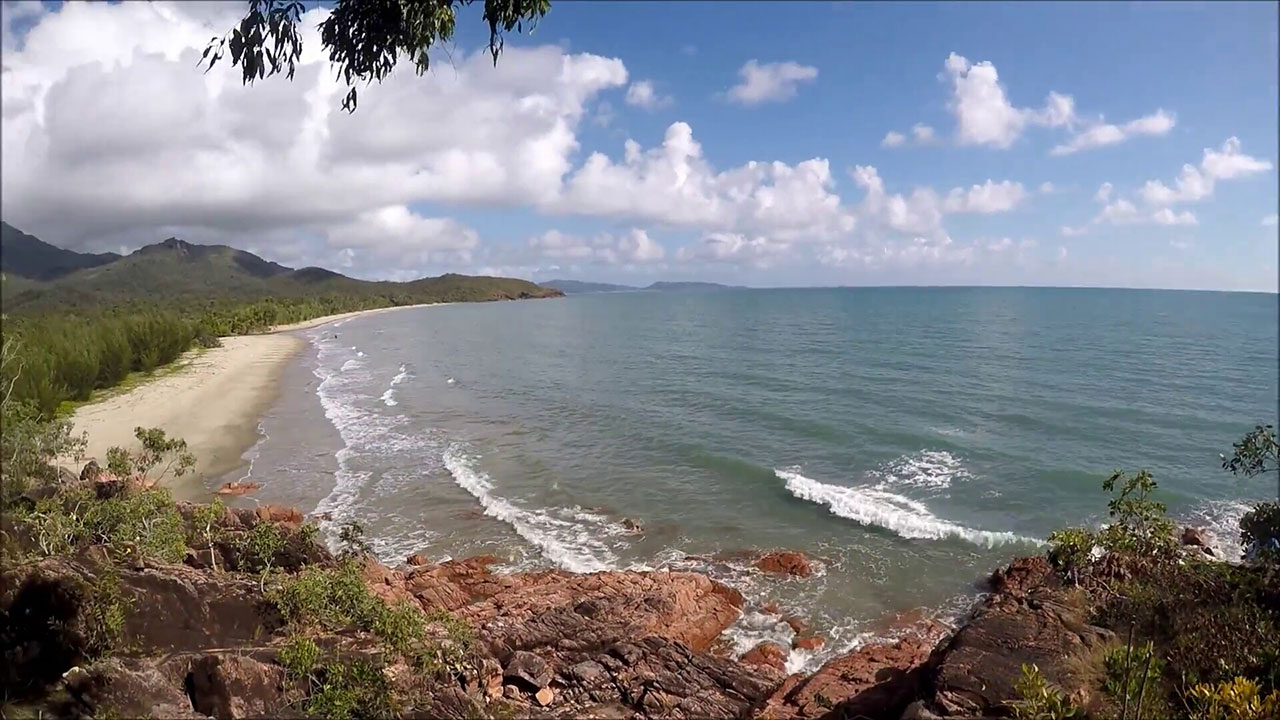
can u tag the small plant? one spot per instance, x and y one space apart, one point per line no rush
261 545
1138 523
1132 675
1236 699
1255 454
104 614
351 542
1038 700
204 522
156 448
1260 532
1071 550
351 691
300 656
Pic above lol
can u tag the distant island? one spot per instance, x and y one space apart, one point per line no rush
579 287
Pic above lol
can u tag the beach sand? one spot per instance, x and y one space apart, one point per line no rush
214 402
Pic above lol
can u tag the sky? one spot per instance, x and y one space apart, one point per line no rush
766 144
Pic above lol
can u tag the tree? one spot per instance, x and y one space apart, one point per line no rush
1258 453
365 38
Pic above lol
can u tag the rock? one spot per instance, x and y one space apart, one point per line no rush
525 668
277 514
235 686
809 642
91 472
238 488
768 654
1195 536
875 681
125 687
796 624
1029 618
544 696
770 608
418 560
785 562
66 476
511 692
634 526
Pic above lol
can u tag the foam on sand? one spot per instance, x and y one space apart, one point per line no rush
901 515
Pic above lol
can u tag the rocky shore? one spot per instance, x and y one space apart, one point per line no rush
203 639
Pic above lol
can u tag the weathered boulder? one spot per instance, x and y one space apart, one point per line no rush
1029 618
232 685
525 668
767 654
91 471
785 562
1195 536
874 681
808 642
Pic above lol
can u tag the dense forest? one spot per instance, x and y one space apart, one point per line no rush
74 324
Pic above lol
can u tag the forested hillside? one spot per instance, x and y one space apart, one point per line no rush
69 332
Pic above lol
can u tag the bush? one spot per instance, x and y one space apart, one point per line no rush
1236 699
146 520
1133 676
156 448
1071 551
1138 524
1040 701
1260 532
104 615
351 691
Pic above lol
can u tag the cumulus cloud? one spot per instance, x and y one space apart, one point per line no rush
770 82
1196 183
643 94
758 251
673 184
1047 188
1102 134
990 197
633 247
985 115
893 139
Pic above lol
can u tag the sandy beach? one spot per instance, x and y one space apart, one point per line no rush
213 402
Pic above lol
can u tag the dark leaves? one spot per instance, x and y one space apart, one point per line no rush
364 38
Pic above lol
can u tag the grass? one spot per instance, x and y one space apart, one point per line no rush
133 380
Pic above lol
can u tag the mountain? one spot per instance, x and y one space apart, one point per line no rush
672 286
578 287
26 256
176 271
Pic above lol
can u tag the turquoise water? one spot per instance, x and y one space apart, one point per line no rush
909 439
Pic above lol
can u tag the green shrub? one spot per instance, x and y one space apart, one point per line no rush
1071 550
1235 699
300 656
1138 525
146 519
1258 528
1038 700
1133 677
156 449
105 610
351 691
261 546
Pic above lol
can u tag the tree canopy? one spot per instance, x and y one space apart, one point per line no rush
364 38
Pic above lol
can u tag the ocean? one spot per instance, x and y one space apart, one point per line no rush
909 440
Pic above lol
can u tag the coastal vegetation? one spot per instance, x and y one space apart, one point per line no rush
82 323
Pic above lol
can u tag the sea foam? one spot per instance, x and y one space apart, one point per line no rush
880 508
569 537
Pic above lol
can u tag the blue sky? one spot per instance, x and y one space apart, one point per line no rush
1169 79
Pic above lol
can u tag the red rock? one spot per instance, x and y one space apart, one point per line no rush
278 514
768 654
418 560
770 608
873 681
1195 536
796 624
238 488
544 696
809 642
785 562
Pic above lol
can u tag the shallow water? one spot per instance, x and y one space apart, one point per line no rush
909 439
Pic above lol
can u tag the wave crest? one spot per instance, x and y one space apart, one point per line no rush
880 508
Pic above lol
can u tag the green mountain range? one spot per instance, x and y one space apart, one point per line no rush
39 276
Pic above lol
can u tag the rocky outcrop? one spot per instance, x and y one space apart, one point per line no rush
766 654
1029 618
785 562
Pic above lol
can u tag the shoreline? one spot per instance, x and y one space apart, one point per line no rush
214 402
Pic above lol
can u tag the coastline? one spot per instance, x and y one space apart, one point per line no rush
214 402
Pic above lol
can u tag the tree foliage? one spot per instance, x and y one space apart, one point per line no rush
364 38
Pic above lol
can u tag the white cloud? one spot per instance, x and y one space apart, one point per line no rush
758 251
1194 184
923 134
1047 188
984 115
1104 192
674 185
1103 134
1165 216
630 248
1069 231
917 214
893 139
1270 220
990 197
397 233
642 94
770 82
